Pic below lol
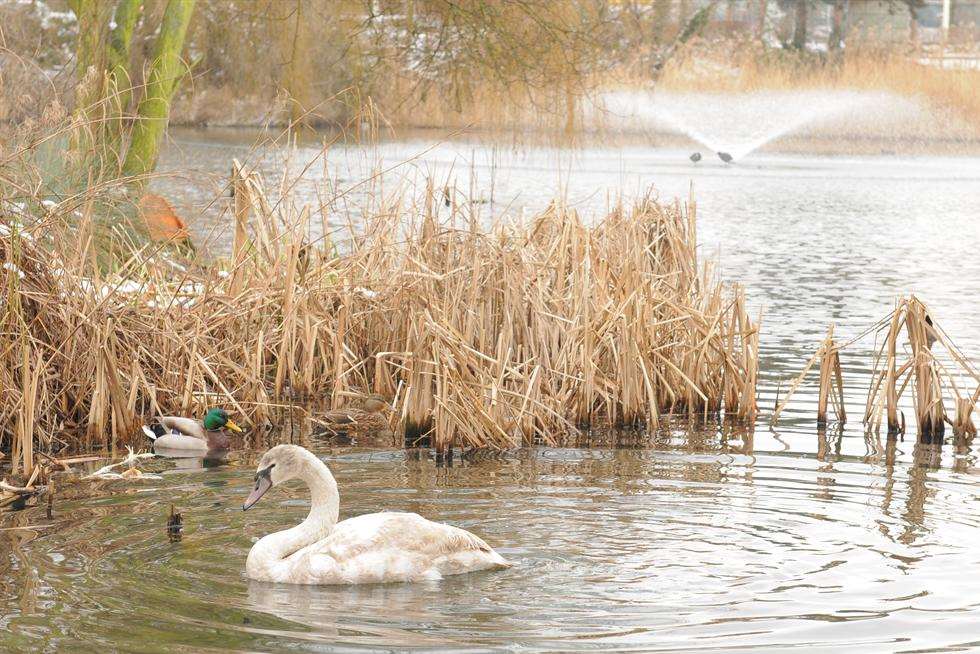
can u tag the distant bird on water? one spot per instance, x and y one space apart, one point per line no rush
724 156
696 157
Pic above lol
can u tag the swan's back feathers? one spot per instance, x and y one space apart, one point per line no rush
459 540
402 531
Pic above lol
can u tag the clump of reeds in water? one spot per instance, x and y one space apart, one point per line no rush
915 355
482 338
919 366
831 385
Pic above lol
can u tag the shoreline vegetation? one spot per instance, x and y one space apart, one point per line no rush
722 67
524 333
539 67
924 107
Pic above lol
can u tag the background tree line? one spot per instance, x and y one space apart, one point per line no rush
128 66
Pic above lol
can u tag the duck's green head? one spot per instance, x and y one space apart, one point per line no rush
217 419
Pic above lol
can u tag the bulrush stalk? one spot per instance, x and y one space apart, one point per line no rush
830 375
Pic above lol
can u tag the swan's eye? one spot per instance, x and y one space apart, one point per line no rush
264 472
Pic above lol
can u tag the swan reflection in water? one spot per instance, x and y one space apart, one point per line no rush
344 612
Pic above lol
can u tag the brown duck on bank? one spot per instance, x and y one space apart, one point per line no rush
366 418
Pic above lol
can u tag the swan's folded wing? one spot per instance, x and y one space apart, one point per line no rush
407 532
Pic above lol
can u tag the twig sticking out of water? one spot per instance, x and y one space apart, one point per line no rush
108 472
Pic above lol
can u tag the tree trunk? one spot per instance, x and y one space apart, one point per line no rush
913 28
799 31
836 39
90 52
298 75
119 91
165 73
661 16
761 26
120 42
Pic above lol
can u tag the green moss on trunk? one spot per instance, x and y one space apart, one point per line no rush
165 73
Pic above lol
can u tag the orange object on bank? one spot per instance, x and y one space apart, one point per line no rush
161 219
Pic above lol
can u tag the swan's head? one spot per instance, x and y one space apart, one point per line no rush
278 465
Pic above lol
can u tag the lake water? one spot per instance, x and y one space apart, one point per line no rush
779 539
686 547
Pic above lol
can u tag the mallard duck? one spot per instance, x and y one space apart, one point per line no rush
176 433
365 418
368 549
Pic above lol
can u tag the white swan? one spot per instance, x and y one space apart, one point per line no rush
373 548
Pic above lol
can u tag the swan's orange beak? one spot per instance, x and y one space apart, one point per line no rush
263 482
232 426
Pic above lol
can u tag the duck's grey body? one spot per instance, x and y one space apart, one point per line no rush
185 426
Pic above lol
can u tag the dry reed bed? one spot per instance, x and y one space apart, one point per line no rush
517 335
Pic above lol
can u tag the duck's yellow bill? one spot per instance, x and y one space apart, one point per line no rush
232 426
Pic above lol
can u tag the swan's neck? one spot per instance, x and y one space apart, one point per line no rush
270 552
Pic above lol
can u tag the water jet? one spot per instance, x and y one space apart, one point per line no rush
737 123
